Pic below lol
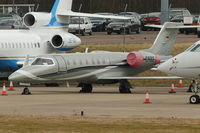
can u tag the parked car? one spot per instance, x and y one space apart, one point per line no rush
80 25
198 29
194 22
123 26
180 18
143 15
152 18
11 21
98 24
133 14
179 12
11 24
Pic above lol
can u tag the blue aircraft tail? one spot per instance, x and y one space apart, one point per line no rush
59 7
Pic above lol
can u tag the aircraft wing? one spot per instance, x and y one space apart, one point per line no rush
78 14
174 27
142 78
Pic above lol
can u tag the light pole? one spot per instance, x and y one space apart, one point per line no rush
80 7
124 36
164 11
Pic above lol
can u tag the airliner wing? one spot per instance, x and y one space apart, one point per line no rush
174 27
77 14
142 78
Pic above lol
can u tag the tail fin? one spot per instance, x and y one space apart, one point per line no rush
60 6
166 38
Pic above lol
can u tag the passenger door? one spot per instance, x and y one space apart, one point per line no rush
62 67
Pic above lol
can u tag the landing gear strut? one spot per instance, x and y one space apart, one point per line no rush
194 87
26 91
86 88
125 86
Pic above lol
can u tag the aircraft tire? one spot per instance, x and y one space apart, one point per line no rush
86 88
26 91
83 33
138 31
124 90
194 99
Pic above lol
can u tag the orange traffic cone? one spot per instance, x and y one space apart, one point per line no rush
172 90
11 88
147 100
180 84
4 92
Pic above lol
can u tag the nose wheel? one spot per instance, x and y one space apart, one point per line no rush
194 87
194 99
26 91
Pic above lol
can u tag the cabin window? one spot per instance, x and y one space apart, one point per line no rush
81 63
32 46
87 62
68 62
104 61
6 45
74 62
196 48
93 61
38 45
9 45
20 45
98 61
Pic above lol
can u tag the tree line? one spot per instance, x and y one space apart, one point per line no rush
114 6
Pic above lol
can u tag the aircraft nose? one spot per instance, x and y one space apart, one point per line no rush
16 77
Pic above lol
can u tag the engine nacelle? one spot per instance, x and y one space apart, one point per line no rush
36 19
138 59
64 42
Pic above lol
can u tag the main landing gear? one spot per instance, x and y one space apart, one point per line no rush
194 99
125 86
86 88
26 91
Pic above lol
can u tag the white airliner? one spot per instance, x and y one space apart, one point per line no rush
48 34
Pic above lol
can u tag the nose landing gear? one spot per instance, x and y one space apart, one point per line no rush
194 87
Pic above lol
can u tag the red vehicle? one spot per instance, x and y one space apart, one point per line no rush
152 18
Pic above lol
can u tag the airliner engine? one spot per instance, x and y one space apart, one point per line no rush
36 19
65 41
138 59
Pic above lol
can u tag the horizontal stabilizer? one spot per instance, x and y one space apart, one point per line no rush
143 78
78 14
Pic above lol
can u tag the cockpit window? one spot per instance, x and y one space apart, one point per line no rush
42 61
196 48
191 47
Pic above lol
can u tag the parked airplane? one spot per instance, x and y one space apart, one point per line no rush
99 67
186 65
48 34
